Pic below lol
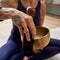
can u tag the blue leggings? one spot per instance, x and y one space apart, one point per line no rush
12 51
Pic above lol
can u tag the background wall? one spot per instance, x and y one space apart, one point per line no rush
53 9
53 6
56 1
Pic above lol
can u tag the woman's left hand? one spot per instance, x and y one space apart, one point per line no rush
25 58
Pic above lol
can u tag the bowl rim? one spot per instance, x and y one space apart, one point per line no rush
47 32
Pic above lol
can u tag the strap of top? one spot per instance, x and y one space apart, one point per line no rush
21 7
37 14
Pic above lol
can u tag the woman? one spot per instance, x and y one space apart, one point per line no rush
12 49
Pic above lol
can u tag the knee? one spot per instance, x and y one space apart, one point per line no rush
8 50
3 55
6 54
2 58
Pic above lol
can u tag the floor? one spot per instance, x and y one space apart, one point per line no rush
51 22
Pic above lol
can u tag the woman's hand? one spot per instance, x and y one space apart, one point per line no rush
25 58
23 21
25 25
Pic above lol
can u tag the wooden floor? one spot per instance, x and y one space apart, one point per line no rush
51 21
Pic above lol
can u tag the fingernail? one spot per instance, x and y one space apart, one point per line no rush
22 38
29 39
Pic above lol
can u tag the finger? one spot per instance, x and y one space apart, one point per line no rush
32 28
21 32
26 31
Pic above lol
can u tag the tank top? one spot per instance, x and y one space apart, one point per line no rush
15 35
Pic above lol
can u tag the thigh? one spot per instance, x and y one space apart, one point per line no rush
9 49
54 42
47 52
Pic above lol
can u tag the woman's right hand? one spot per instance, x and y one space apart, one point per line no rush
22 20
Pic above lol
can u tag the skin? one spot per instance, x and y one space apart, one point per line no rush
24 20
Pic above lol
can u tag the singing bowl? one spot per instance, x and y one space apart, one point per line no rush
43 38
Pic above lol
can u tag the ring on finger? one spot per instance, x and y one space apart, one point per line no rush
17 19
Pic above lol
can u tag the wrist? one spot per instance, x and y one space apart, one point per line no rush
16 12
19 13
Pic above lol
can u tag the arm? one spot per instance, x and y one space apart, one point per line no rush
4 4
22 20
42 12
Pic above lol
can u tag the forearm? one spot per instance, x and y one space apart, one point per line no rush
2 18
7 13
13 14
6 4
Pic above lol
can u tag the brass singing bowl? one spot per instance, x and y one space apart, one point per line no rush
44 37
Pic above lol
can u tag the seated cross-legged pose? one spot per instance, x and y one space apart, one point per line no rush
22 25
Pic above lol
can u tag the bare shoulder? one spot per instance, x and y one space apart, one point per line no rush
9 3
